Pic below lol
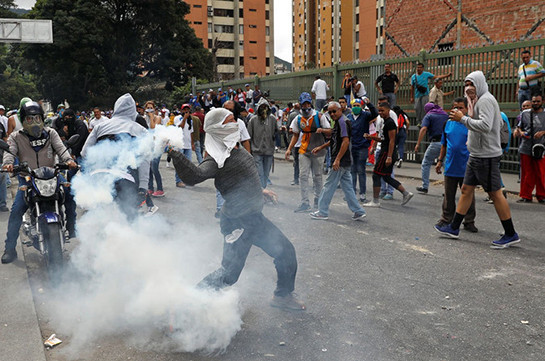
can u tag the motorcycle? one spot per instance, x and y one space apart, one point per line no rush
45 226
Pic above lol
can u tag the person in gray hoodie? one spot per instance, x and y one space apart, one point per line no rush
483 167
262 128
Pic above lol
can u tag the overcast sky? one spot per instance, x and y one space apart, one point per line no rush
282 29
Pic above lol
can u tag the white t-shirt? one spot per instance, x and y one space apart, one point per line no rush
186 139
4 121
320 88
292 125
361 92
244 135
94 122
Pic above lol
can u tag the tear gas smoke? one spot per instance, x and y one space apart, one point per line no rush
138 278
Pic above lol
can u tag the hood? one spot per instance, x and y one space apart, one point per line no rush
433 108
125 108
478 79
263 101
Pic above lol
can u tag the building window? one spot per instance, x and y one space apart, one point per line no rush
267 62
197 6
225 60
224 29
241 29
197 22
241 13
253 57
252 26
357 36
224 13
241 60
267 30
209 27
266 14
253 42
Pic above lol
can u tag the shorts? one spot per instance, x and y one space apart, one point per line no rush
484 172
380 164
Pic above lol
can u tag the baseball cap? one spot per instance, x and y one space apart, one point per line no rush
2 107
185 106
305 98
357 101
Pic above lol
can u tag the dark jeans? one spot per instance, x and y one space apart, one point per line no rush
402 138
239 236
126 196
154 172
19 208
296 164
449 201
359 159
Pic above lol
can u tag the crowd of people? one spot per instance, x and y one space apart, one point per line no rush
243 128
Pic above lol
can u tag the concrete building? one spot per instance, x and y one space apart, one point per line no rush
432 25
239 33
335 31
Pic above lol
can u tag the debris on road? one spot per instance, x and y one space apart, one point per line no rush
52 341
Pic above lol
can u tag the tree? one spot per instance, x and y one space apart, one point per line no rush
101 48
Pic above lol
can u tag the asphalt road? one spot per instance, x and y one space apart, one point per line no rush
388 288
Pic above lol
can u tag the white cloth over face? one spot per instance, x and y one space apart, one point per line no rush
220 138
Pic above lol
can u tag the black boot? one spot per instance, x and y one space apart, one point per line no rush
9 256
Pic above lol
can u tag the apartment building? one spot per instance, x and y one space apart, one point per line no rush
335 31
239 33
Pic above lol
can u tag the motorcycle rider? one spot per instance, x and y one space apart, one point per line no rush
123 123
37 145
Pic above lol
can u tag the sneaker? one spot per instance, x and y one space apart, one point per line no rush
288 302
150 191
9 256
381 195
488 200
471 228
541 200
151 211
422 189
358 216
524 200
180 185
406 198
304 207
372 204
505 241
388 197
399 163
448 231
363 198
158 194
294 183
4 209
168 164
441 224
318 215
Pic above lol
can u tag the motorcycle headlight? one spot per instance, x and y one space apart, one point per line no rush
46 187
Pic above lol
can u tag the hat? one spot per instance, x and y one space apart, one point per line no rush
60 106
163 110
219 89
357 101
247 85
185 106
138 105
305 98
2 107
251 110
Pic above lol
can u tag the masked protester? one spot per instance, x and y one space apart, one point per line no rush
37 145
69 126
241 219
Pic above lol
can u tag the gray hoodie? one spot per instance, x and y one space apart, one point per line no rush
262 131
484 130
123 122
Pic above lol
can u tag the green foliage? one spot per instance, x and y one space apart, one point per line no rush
15 83
104 48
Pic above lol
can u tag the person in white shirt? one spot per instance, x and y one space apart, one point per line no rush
98 118
184 121
358 89
319 91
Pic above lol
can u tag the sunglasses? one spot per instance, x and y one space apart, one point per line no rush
332 111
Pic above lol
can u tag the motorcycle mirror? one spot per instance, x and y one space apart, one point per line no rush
4 146
72 140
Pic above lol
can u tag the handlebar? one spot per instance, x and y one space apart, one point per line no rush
24 168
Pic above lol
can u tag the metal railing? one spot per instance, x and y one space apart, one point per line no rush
498 62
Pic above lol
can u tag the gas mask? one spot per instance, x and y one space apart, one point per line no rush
33 125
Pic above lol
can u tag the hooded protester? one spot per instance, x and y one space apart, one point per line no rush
69 126
433 124
483 167
37 145
123 124
241 219
263 128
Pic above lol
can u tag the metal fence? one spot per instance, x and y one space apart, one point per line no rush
498 62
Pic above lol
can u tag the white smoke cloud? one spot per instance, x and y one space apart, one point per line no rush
138 279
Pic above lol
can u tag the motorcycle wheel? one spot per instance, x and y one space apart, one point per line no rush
53 258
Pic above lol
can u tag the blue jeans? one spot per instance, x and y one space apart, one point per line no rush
385 188
198 151
264 165
431 154
19 208
154 172
3 189
402 137
524 94
187 154
219 200
391 99
359 159
335 177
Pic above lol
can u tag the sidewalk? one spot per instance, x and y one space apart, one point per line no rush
413 170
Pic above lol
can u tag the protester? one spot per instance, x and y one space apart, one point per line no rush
241 219
185 122
347 87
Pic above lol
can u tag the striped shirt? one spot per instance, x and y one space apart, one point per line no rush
533 67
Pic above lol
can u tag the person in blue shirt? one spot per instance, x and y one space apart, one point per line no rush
420 89
433 123
360 120
453 157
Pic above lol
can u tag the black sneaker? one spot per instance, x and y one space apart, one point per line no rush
524 200
288 302
304 207
422 189
9 256
471 228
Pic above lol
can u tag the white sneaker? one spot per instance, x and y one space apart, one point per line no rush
372 204
168 164
151 211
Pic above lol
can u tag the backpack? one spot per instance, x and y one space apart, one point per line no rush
505 133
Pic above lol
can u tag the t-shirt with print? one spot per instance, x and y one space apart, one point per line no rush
525 146
389 124
455 139
341 129
310 138
423 80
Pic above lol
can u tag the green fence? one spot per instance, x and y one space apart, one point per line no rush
498 62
